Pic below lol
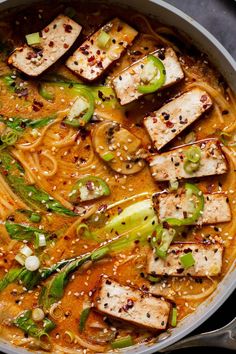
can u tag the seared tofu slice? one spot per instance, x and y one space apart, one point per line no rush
90 60
169 166
126 83
172 118
55 41
131 305
207 257
171 205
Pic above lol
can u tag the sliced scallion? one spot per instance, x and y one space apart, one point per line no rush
33 38
104 40
173 319
194 154
9 137
35 217
108 156
187 260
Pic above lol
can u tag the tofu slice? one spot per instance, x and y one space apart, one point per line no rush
131 305
208 260
171 205
169 166
89 61
126 83
56 39
171 119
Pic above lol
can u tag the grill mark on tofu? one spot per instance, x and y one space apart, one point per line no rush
89 61
126 83
170 165
208 260
55 41
131 305
170 205
170 120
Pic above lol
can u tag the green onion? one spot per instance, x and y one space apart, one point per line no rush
40 240
122 342
10 277
108 156
35 217
103 40
173 319
193 154
83 318
89 188
9 137
166 239
48 325
187 260
26 324
99 253
174 185
33 38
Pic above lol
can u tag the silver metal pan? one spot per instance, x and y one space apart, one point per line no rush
169 15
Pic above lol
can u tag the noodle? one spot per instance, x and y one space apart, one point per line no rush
156 36
51 159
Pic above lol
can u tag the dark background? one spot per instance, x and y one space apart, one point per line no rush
219 17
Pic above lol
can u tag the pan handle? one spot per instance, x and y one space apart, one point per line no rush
224 337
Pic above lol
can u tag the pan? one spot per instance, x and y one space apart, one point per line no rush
200 37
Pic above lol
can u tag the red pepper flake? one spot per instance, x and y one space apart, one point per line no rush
169 124
51 44
119 210
92 58
46 29
66 46
68 28
90 186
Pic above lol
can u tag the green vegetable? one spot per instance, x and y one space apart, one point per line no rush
187 260
9 81
174 185
194 154
108 156
26 324
48 325
153 279
173 320
33 38
35 217
122 342
34 197
103 95
103 40
192 159
153 75
20 124
47 95
191 189
21 232
9 137
83 318
10 277
99 253
131 217
166 237
88 188
82 109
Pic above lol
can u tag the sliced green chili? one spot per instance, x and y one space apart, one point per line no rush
194 154
193 190
47 95
154 75
88 188
82 109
